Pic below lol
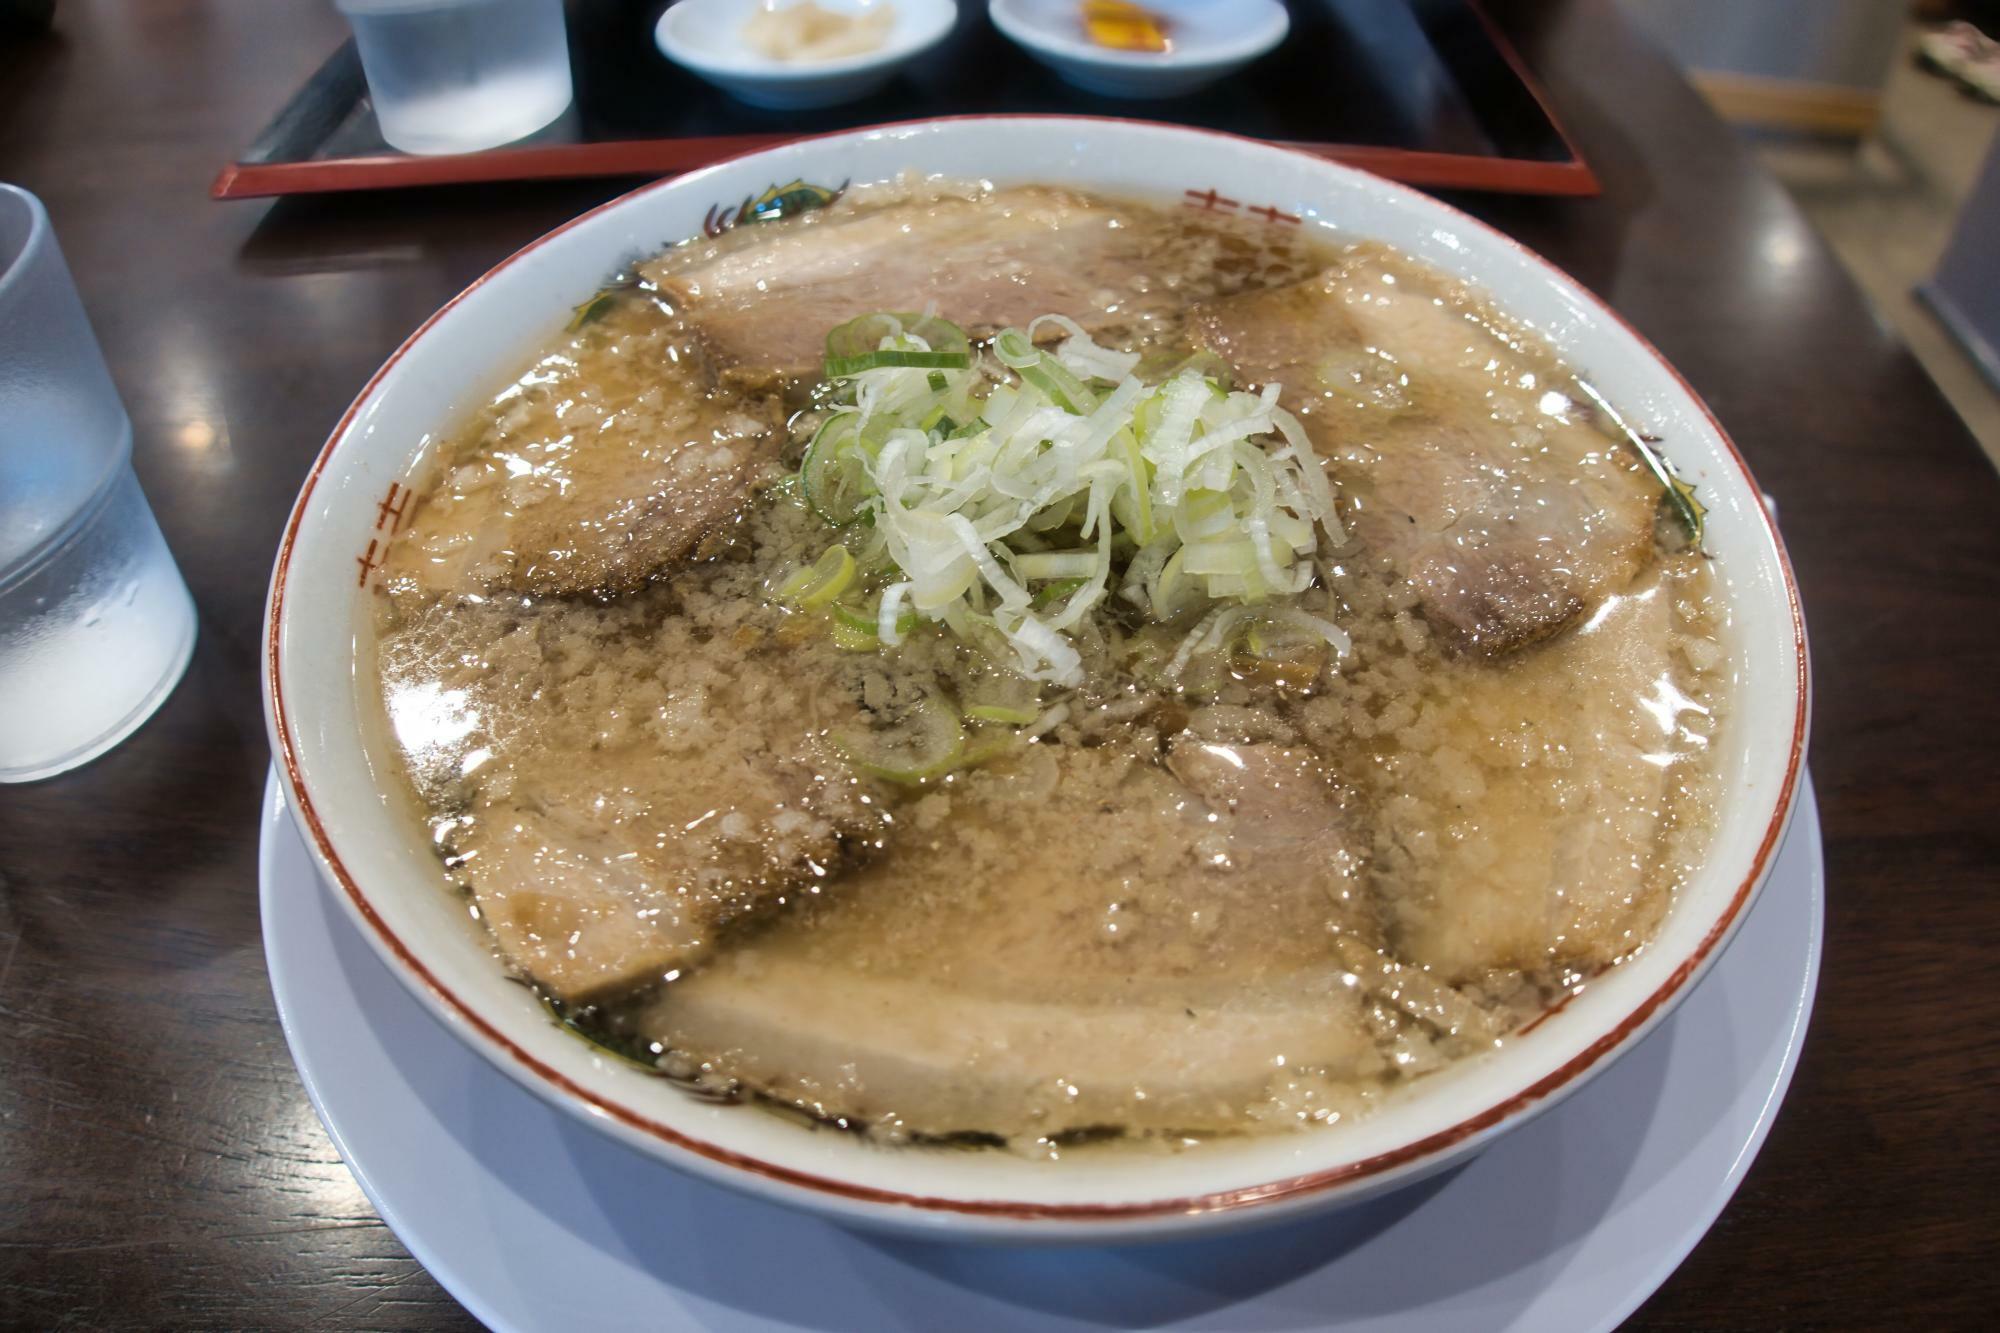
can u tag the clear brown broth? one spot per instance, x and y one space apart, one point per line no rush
1075 940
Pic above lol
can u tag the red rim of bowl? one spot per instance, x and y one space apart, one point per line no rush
1289 1188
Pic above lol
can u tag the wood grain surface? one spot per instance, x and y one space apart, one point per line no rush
159 1165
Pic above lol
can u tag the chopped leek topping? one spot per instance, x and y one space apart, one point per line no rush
895 340
1017 717
824 580
850 639
1004 696
1074 481
927 742
1057 591
865 621
1055 380
896 357
831 475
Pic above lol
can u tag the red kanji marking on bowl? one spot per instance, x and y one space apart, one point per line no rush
369 564
1271 213
1208 200
390 509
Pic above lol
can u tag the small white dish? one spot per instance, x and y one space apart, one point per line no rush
1209 39
706 38
534 1222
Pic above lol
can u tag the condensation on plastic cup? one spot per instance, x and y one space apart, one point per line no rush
456 76
96 626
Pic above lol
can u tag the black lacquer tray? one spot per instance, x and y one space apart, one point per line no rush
1424 91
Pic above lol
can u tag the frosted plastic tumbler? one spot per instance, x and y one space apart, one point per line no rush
96 626
455 76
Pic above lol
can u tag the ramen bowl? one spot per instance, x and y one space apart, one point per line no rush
384 872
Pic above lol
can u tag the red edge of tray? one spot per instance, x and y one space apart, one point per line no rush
655 157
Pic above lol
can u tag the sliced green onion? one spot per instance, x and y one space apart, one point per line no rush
851 640
1015 349
1055 516
1210 367
1181 496
927 742
1205 515
864 622
1081 353
940 335
894 358
863 333
1232 556
821 582
1056 564
1056 381
1015 717
1139 492
985 744
857 345
1062 388
833 474
1173 591
1059 591
1004 696
1279 650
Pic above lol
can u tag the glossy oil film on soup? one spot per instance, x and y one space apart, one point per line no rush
1203 713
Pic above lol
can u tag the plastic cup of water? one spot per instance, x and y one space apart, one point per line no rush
96 626
456 76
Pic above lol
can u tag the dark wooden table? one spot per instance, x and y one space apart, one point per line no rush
159 1165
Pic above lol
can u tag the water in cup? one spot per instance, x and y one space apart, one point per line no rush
454 76
92 637
96 626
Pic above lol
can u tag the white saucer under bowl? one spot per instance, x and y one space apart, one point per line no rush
535 1222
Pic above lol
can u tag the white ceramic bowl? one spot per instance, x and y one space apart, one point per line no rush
383 868
706 37
1210 38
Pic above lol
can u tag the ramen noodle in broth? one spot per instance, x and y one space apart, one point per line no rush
1202 714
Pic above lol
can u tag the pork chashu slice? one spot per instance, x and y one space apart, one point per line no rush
1035 960
1463 462
1572 866
765 297
639 815
603 466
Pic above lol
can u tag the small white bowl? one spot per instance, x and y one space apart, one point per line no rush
705 37
1209 39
